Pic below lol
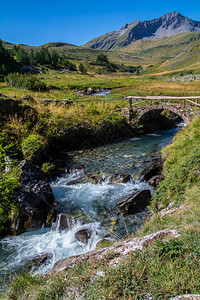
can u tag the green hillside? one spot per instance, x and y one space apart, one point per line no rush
165 47
188 59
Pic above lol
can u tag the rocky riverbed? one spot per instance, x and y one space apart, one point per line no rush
86 200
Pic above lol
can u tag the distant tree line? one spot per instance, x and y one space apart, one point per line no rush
42 57
7 63
11 60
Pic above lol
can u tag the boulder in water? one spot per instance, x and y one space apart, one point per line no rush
64 221
83 235
51 217
120 178
38 260
135 202
155 168
92 178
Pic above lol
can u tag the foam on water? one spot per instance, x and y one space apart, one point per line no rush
91 205
55 242
90 198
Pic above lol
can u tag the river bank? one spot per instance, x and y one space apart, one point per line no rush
162 270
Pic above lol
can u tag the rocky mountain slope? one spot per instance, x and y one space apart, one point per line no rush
169 24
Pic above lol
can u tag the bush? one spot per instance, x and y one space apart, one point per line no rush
82 69
47 167
29 82
32 146
9 183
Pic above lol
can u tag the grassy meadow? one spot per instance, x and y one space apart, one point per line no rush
65 86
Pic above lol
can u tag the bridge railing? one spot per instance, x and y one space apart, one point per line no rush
133 100
163 99
79 102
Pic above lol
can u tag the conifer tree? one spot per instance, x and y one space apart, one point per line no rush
82 69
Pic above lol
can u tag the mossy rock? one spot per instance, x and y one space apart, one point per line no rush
104 243
33 146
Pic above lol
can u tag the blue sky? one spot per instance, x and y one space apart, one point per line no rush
40 21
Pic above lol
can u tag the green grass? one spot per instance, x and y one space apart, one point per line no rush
181 167
120 85
165 47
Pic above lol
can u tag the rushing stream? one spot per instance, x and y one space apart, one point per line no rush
86 205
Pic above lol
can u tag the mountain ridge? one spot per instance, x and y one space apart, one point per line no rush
169 24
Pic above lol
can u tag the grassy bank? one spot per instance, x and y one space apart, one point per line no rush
163 269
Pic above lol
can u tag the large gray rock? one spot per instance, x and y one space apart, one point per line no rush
155 180
119 178
92 178
154 169
134 202
64 221
83 235
35 198
38 260
29 69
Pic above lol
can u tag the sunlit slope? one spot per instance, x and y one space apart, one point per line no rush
189 59
163 48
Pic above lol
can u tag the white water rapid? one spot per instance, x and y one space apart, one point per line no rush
86 206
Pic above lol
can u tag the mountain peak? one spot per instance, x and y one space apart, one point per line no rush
169 24
173 14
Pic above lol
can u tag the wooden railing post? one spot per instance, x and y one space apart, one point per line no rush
165 101
77 104
103 104
130 115
130 103
196 103
183 103
149 102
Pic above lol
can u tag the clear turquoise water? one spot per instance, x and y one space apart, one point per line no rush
87 205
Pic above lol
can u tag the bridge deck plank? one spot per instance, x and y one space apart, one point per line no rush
162 97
